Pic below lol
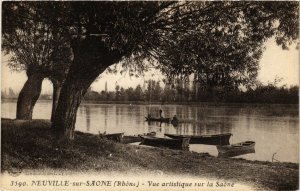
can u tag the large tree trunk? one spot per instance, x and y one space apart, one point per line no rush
57 85
91 58
29 95
72 92
64 120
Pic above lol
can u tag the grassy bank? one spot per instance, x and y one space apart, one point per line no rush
30 145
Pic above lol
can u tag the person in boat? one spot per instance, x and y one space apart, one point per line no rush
160 114
175 120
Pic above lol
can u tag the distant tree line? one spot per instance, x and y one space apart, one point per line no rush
8 94
180 91
11 94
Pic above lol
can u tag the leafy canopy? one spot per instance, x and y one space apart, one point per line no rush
33 46
221 42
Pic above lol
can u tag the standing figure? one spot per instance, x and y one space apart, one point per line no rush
175 121
160 113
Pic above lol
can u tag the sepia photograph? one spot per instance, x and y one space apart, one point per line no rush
149 95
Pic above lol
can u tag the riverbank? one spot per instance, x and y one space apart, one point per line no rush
30 145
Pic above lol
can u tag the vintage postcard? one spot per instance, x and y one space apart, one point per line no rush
149 95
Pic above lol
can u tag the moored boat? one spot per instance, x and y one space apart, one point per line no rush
236 149
130 139
135 138
165 142
216 139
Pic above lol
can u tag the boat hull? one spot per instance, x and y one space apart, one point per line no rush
217 139
162 120
236 149
134 138
164 142
130 139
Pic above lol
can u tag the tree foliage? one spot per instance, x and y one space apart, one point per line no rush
218 41
33 45
226 45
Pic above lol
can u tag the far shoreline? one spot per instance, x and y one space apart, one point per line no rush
161 103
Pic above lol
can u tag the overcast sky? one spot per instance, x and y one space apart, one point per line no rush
275 62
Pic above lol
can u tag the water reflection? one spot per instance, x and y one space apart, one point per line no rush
274 128
205 128
117 113
88 117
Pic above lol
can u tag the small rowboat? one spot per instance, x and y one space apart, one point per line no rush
236 149
159 119
133 138
117 137
165 142
217 139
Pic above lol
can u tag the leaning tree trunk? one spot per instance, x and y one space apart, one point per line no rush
29 95
91 58
72 92
57 85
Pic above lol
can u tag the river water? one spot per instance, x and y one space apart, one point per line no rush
273 127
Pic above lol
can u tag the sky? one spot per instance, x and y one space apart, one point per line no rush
275 63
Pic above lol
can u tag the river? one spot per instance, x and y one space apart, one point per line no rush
274 127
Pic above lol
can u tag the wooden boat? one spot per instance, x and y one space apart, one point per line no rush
158 119
117 137
217 139
236 149
165 142
133 138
